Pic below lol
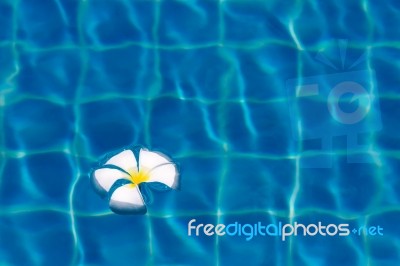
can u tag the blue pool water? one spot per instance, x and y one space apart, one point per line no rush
203 81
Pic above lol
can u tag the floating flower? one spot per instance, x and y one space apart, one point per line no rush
123 175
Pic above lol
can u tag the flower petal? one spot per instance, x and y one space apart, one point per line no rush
104 178
166 174
149 160
127 200
125 160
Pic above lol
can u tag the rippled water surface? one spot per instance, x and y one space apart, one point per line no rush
206 82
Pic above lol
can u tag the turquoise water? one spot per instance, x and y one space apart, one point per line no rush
204 81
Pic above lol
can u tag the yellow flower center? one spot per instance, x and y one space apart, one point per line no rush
139 177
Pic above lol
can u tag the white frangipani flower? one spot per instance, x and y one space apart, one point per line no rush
119 178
